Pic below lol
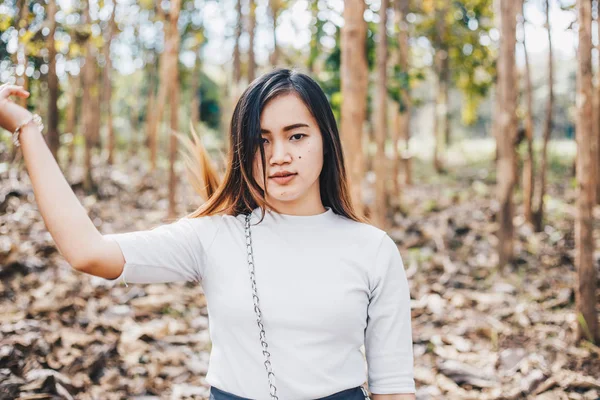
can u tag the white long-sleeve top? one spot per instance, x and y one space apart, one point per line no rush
327 285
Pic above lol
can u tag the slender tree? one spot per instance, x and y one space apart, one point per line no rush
172 51
74 84
585 295
196 100
22 24
52 136
442 85
528 161
354 81
597 107
237 63
20 58
251 35
153 77
88 102
315 36
163 91
380 121
134 121
538 214
404 105
110 31
505 128
275 7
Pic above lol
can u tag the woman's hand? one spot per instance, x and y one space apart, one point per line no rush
12 114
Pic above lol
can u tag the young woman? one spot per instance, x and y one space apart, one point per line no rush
279 228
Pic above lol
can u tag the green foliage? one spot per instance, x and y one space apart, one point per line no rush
317 33
330 79
210 111
6 22
400 82
464 34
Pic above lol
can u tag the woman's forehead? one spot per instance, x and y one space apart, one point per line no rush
284 111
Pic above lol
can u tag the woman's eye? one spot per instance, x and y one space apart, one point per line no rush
264 140
298 136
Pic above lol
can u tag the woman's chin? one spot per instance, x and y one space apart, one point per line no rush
283 197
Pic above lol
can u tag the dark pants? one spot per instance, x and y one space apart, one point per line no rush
348 394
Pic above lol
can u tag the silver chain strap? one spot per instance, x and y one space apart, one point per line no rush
263 339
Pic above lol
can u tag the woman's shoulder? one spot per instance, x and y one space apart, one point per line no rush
205 226
214 221
362 232
204 219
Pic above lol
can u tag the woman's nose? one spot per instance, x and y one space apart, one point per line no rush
280 153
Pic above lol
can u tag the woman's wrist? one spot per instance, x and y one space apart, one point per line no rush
32 120
29 132
22 117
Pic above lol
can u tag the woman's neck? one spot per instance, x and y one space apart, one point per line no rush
302 208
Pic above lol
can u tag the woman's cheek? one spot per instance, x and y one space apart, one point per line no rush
258 174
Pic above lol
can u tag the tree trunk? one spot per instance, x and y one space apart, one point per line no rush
153 77
274 7
354 81
595 119
134 139
20 60
195 103
161 97
528 161
380 122
172 51
597 109
394 162
405 104
97 98
88 108
108 87
441 118
538 215
74 83
442 82
21 53
313 52
52 137
585 296
251 34
237 63
505 128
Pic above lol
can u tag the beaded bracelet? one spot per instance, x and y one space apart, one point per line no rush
34 118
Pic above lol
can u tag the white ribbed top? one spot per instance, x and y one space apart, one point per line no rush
327 285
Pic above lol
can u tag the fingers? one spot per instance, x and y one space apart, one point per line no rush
13 90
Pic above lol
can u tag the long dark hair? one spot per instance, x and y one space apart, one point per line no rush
239 193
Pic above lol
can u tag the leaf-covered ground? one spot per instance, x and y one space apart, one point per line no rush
478 333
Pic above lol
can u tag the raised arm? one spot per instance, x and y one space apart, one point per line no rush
75 235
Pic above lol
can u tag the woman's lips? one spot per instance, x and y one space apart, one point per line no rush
282 180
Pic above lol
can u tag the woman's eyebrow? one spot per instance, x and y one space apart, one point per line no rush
287 128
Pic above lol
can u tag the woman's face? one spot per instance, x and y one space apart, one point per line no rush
293 145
